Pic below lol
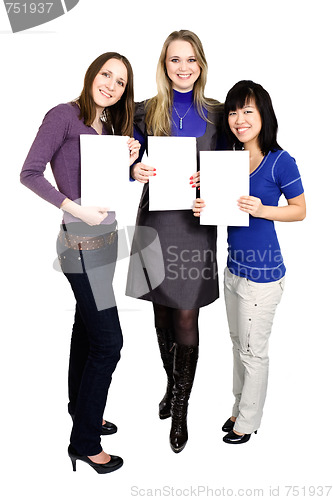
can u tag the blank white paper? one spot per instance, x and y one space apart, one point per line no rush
104 170
175 160
224 178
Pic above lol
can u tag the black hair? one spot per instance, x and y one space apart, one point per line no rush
240 94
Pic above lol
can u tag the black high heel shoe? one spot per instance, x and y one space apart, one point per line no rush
114 463
108 428
233 438
228 425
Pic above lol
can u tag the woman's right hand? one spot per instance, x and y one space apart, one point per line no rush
199 204
93 216
141 172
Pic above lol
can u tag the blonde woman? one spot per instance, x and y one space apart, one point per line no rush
189 250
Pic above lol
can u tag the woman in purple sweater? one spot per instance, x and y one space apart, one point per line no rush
87 245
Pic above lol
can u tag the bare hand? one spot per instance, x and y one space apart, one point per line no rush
251 205
195 180
90 215
141 172
134 147
199 204
93 216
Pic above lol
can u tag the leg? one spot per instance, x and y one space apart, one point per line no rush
186 326
77 360
96 341
185 362
257 304
105 342
232 304
166 340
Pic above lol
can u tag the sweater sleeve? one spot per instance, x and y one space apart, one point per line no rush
49 139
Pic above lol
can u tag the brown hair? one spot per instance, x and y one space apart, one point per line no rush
119 117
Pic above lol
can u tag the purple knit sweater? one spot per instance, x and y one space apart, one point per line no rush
58 142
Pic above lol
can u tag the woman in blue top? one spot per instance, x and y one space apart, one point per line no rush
254 277
184 279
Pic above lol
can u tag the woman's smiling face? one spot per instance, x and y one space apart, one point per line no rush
109 83
181 65
245 123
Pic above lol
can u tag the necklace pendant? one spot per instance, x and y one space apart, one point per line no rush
180 123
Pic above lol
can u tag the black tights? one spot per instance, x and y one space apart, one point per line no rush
184 323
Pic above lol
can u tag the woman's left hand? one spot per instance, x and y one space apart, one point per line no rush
199 204
195 180
251 205
134 147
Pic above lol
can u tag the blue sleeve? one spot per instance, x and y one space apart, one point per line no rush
286 175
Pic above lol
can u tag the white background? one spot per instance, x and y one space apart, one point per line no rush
287 47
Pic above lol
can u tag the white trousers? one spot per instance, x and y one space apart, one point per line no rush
250 309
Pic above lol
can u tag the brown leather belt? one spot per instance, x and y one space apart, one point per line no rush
86 242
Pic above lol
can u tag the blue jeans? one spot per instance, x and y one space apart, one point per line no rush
96 338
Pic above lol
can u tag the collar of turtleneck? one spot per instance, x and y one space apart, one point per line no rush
185 118
182 97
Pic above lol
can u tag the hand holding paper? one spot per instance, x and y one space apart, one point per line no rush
195 180
134 147
251 205
199 205
93 216
141 172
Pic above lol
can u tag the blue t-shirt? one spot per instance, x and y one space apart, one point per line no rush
254 252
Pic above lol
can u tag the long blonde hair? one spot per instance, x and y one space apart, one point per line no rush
158 116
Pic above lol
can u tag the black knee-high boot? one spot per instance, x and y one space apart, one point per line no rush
165 337
185 363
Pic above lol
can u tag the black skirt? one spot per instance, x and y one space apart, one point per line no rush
173 260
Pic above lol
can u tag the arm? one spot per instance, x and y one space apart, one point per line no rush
49 139
294 211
